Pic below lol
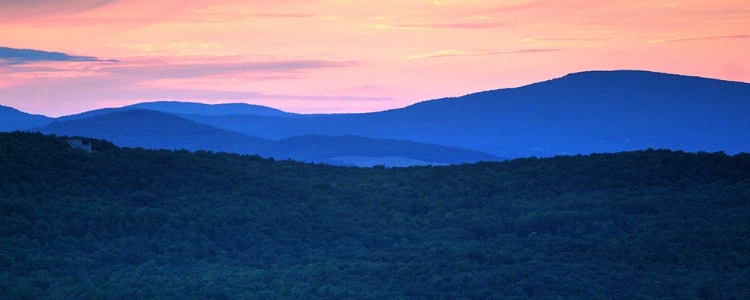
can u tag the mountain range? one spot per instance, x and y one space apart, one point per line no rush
12 119
580 113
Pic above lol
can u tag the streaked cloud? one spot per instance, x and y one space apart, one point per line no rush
461 25
36 8
214 66
292 52
585 39
17 56
147 79
523 5
571 41
460 53
153 69
702 38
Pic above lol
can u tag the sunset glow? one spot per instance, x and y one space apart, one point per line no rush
329 56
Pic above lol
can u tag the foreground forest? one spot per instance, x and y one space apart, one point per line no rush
123 223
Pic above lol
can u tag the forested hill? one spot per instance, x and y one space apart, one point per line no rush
124 223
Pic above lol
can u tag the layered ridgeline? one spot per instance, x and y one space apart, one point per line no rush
129 223
589 112
159 130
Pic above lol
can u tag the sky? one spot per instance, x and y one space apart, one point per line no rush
334 56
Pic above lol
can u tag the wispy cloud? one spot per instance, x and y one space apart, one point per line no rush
18 56
154 70
571 41
460 53
530 5
158 73
725 11
541 5
456 25
586 39
460 25
33 8
224 15
261 49
702 38
217 79
276 15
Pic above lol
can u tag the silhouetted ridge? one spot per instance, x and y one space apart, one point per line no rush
152 129
226 109
158 130
587 112
315 147
12 119
597 112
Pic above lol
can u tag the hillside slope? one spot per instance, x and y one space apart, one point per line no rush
134 223
353 150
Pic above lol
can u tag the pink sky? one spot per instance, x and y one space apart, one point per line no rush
347 55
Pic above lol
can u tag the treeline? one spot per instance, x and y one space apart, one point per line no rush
125 223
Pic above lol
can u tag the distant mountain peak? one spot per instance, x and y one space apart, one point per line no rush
13 119
7 111
222 109
640 76
156 130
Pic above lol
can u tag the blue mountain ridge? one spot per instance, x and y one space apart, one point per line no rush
159 130
188 108
223 109
587 112
597 111
12 119
156 130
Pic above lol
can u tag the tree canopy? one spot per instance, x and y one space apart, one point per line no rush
125 223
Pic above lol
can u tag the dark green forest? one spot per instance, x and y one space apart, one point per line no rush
130 223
